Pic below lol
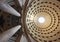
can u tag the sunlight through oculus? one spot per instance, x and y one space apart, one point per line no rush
41 19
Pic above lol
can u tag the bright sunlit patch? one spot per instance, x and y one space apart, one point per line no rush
41 19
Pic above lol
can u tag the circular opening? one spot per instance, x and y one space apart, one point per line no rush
41 19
